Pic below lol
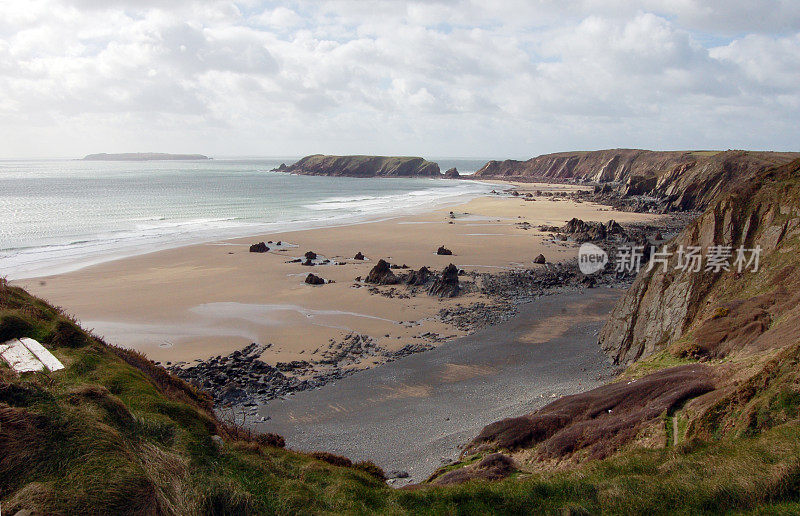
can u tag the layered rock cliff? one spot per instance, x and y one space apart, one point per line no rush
363 166
685 180
674 306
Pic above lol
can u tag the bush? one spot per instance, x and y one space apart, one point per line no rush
274 440
14 327
330 458
68 334
371 468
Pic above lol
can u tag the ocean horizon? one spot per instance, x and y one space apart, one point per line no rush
65 214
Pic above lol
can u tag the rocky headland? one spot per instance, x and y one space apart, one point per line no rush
709 352
362 166
677 180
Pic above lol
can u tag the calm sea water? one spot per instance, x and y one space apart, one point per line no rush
59 215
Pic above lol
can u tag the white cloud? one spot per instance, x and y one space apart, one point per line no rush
467 77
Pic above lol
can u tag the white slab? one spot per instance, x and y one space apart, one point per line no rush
20 358
44 356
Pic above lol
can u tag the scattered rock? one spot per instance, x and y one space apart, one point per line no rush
260 247
313 279
447 284
310 255
381 274
418 278
443 251
359 256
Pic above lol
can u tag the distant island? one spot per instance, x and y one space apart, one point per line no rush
363 166
143 156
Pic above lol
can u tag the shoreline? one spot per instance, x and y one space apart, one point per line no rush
190 304
130 249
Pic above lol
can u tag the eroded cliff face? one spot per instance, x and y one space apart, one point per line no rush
685 180
364 166
666 305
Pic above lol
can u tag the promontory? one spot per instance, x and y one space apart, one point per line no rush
363 166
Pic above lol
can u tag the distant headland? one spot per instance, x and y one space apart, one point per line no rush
143 156
363 166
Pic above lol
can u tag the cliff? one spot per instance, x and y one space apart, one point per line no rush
144 156
713 363
363 166
685 180
664 306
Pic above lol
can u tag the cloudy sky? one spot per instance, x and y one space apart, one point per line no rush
500 78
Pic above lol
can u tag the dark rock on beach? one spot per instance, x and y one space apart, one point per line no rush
260 247
381 274
540 259
452 173
443 251
447 284
359 256
418 278
313 279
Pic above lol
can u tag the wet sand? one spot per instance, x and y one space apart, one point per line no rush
204 300
412 414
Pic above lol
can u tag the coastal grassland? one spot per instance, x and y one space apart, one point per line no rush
112 433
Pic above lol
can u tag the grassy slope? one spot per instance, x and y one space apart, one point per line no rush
112 434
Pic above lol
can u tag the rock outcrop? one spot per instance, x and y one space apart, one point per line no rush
313 279
683 180
452 173
364 166
670 302
446 285
260 247
381 274
418 278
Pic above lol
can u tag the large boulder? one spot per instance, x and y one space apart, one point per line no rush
443 251
313 279
381 274
540 259
260 247
447 284
359 256
452 173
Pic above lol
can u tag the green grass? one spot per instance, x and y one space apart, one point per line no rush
111 435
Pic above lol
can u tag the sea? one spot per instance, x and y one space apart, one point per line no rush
62 215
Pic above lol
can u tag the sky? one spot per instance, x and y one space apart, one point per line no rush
459 78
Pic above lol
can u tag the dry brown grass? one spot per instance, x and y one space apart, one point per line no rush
598 422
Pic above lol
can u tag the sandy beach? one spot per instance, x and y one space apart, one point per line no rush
204 300
412 415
